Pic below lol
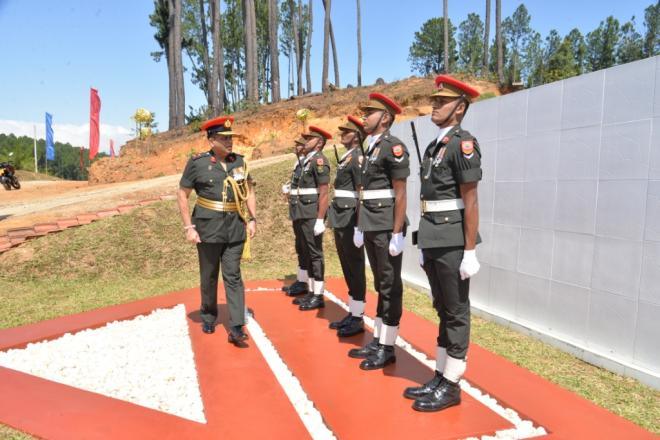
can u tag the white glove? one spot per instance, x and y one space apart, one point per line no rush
286 188
358 238
469 266
421 258
319 226
396 244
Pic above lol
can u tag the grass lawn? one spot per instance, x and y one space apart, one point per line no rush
143 253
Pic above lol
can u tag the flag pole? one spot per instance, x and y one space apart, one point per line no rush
36 170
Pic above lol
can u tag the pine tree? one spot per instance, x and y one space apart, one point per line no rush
470 43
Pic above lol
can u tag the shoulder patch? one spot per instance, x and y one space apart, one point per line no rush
197 156
467 147
397 150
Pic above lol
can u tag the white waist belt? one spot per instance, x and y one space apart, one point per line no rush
441 205
342 193
371 194
305 191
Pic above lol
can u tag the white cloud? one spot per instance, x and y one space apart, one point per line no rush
76 135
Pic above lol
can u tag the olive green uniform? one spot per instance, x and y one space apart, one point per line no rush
441 235
303 210
342 218
222 234
386 160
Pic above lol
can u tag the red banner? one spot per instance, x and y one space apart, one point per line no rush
112 148
94 110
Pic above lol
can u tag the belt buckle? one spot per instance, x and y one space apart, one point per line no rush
423 206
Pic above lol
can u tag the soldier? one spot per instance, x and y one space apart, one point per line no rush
225 208
300 287
342 217
308 206
381 226
447 237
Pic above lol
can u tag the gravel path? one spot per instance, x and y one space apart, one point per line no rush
147 361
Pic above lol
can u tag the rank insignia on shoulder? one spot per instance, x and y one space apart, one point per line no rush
197 156
213 159
467 147
397 150
445 139
319 161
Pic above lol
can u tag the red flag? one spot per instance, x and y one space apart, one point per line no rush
112 148
94 110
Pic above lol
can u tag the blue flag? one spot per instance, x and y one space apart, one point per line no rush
50 145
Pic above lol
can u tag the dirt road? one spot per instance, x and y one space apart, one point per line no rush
46 201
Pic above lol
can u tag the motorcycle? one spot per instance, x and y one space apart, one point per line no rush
8 177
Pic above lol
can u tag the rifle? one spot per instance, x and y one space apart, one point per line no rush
414 135
334 146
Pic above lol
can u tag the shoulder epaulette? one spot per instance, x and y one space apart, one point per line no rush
204 154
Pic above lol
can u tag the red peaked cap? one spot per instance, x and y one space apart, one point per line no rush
449 84
385 102
220 125
315 131
356 121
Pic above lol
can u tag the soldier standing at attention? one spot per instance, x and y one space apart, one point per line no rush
381 226
447 237
300 287
309 203
225 208
342 217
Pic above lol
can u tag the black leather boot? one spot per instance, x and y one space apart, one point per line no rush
236 334
354 326
364 352
315 302
380 358
445 395
342 322
302 299
208 327
430 386
297 288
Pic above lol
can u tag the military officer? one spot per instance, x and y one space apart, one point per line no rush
308 207
225 209
447 237
342 217
381 225
300 286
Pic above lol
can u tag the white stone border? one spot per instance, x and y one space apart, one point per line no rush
523 428
310 416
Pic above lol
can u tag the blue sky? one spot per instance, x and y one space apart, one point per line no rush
53 51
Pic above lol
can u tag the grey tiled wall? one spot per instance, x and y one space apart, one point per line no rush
570 210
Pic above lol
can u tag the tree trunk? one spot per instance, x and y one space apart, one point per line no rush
326 43
218 69
484 68
180 103
171 72
274 52
498 37
295 21
359 46
252 86
308 47
335 62
301 44
446 32
205 57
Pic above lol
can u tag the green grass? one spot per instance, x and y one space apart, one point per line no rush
143 253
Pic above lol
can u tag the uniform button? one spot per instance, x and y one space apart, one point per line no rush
345 206
446 219
379 205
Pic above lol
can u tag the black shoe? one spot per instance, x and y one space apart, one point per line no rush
295 289
302 299
315 302
379 359
430 386
236 334
208 327
446 395
354 326
364 352
342 322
